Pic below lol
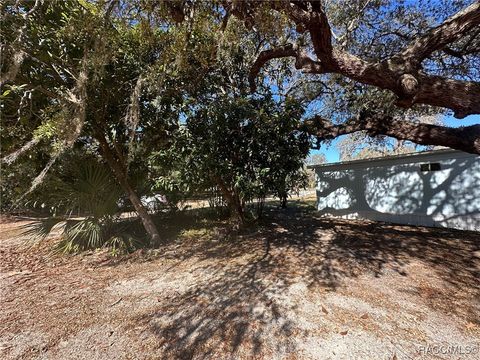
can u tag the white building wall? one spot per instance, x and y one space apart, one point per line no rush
395 190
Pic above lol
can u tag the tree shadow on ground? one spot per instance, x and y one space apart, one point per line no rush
242 284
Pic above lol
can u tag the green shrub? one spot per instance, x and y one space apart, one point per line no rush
85 208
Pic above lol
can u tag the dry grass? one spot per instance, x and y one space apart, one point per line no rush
294 287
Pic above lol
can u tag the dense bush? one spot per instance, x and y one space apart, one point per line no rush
245 148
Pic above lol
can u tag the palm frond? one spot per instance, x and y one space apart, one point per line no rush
40 229
83 234
91 191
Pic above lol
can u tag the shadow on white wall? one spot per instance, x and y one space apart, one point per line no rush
404 194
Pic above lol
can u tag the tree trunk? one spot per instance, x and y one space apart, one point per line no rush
121 175
235 206
283 201
233 201
260 204
142 212
239 209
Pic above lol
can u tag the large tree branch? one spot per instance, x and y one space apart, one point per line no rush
267 55
457 95
399 74
439 37
460 96
464 138
303 61
321 35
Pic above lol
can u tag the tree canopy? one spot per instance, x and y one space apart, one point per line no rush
212 86
388 54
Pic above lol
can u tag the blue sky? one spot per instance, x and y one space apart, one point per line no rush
332 154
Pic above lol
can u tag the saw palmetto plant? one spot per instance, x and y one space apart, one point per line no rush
85 210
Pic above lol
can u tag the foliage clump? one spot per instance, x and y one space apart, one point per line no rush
244 148
84 205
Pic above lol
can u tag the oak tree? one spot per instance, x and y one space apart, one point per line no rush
420 54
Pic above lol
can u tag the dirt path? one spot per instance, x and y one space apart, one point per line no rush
299 287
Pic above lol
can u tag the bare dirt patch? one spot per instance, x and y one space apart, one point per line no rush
296 287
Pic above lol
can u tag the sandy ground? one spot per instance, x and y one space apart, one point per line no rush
298 287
